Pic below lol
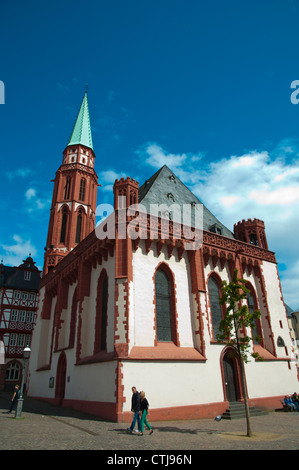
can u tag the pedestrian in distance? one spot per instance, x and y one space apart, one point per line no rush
135 408
15 397
144 405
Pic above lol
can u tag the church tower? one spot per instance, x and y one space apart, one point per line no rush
72 214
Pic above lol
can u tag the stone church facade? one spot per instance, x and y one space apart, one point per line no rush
135 301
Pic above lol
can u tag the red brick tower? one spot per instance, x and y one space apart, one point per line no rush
251 231
125 195
72 214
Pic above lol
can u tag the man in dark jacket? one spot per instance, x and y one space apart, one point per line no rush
135 408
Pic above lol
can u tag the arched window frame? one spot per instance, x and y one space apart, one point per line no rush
172 299
73 319
13 371
64 224
79 226
82 189
67 187
101 322
259 329
214 276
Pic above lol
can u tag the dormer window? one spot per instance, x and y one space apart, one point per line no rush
170 196
172 178
216 229
27 275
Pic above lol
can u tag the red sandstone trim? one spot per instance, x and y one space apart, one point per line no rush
108 410
165 351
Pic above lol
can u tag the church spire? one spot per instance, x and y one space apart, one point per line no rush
72 214
81 133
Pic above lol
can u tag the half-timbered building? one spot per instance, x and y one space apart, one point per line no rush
18 306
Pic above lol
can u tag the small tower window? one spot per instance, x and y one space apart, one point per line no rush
63 226
82 189
253 239
27 275
67 188
79 225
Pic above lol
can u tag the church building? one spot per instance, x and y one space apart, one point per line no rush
135 300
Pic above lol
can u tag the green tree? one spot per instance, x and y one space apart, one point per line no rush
236 321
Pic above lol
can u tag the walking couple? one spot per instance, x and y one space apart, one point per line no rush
139 407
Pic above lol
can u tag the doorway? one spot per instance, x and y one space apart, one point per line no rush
230 378
60 379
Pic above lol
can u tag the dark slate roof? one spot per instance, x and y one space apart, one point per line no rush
164 187
14 276
289 310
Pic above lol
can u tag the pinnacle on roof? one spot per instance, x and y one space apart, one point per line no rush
81 133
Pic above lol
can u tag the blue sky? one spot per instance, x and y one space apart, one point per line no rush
204 87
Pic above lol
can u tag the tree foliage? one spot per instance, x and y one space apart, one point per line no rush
237 319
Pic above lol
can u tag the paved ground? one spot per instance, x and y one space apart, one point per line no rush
46 427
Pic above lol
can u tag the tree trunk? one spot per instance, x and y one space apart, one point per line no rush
249 433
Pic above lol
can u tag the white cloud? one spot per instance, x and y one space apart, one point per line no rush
108 177
19 173
258 184
15 253
157 157
282 196
30 193
229 201
33 202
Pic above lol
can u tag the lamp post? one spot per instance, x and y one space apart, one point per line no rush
26 355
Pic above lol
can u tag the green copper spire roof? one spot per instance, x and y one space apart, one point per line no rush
81 133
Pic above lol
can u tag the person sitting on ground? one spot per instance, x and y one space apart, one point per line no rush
295 400
289 403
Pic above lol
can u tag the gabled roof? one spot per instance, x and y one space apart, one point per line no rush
164 187
81 133
13 277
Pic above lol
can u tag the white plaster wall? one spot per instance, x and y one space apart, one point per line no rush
64 332
89 309
270 378
168 384
92 382
142 313
276 308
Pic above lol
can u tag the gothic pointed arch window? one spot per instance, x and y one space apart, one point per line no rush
256 327
216 309
82 189
63 225
67 188
165 305
79 226
100 342
73 319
